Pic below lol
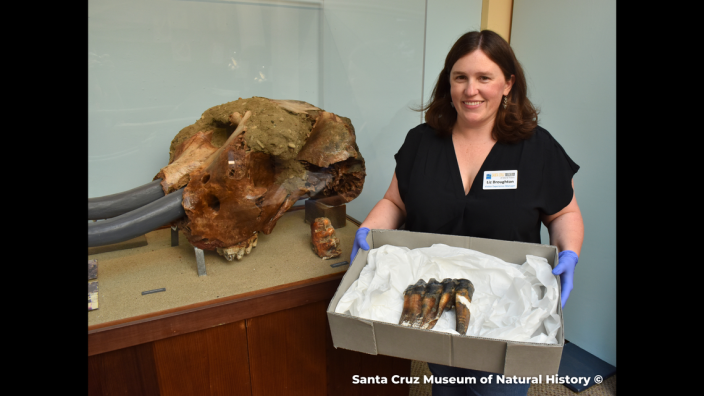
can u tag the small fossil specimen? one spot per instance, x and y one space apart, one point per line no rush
325 244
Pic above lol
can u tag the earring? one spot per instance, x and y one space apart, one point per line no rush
505 101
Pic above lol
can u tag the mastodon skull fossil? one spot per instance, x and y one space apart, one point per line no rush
246 162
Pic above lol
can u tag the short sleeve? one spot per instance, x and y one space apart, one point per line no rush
557 172
404 160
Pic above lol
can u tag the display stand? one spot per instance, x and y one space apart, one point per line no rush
268 336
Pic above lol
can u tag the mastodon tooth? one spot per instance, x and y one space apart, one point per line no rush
415 307
445 302
463 297
430 302
403 321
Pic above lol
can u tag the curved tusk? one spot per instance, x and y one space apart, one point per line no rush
126 201
137 222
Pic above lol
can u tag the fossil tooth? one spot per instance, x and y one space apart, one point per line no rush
452 288
430 302
238 251
416 308
424 303
444 302
463 297
406 306
252 242
412 300
228 253
451 303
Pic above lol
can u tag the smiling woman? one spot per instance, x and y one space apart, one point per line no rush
480 126
483 52
477 88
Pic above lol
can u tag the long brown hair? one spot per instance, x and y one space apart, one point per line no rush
514 123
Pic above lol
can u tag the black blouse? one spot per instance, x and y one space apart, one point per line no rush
430 186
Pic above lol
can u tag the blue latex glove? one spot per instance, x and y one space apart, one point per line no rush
565 268
360 241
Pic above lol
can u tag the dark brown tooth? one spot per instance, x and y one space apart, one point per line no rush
445 301
463 297
455 283
406 306
430 302
416 302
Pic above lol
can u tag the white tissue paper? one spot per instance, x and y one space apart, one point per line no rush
510 302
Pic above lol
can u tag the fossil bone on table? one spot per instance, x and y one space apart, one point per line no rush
246 162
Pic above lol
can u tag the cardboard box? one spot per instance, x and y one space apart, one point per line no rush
522 359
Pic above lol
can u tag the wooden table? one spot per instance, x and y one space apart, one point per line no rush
272 341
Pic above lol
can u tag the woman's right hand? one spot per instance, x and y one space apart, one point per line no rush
387 214
360 241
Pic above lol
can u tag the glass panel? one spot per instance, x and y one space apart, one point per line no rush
155 66
373 72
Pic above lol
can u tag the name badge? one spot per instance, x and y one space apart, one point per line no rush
501 180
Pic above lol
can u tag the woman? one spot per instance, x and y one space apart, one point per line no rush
480 124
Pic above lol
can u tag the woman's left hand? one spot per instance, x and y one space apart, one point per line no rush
566 229
565 268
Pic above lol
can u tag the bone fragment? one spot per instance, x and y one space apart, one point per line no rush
323 240
189 157
235 118
331 140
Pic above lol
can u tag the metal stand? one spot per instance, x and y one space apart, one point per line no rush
174 236
200 260
331 207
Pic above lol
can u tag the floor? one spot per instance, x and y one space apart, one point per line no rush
607 388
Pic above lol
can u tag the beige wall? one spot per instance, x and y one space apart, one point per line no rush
496 16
